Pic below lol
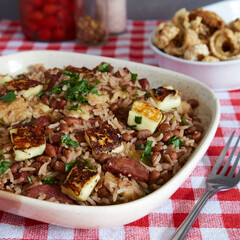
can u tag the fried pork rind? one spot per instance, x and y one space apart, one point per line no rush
210 59
196 52
164 34
235 25
224 44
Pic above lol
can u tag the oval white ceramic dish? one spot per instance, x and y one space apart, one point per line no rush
108 216
220 76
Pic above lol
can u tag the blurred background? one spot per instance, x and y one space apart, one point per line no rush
136 9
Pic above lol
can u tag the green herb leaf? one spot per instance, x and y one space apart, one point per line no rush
41 94
124 90
104 67
56 90
50 181
132 126
146 95
2 122
175 141
68 141
9 97
135 96
88 164
138 119
29 180
133 77
73 107
147 152
3 165
69 166
97 81
184 121
140 146
70 74
20 75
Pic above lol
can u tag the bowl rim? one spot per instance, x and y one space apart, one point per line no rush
187 168
184 61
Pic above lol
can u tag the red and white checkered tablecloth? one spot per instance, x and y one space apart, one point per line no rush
219 220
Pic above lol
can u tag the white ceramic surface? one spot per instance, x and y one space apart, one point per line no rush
220 76
107 216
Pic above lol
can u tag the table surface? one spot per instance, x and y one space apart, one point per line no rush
220 219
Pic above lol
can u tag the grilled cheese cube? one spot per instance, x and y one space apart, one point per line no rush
80 183
166 98
104 139
28 141
27 86
5 78
144 116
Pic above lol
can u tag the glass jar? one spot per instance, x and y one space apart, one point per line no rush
117 16
91 22
47 20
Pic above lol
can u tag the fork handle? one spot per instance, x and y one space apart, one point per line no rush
183 229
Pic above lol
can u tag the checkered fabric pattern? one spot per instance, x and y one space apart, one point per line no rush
219 220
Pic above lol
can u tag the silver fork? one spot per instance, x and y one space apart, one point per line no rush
215 182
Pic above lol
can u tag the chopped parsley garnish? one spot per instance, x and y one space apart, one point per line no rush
174 118
133 77
104 67
147 152
9 97
138 119
184 121
132 126
88 164
124 90
29 180
41 94
70 74
140 146
56 89
2 122
20 75
3 165
96 81
135 96
68 141
50 181
69 166
175 141
146 95
74 107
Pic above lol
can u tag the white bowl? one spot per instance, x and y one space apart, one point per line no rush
108 216
220 76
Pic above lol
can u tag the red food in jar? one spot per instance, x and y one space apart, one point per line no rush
48 20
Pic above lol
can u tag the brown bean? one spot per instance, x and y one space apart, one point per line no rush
143 134
166 177
197 136
165 127
21 175
103 192
154 176
66 153
64 128
36 165
45 99
16 166
193 102
43 159
103 157
72 120
56 138
58 149
59 166
154 157
127 137
139 143
50 150
48 131
3 90
157 148
114 107
191 130
166 158
60 104
176 133
199 128
80 136
167 136
173 155
53 103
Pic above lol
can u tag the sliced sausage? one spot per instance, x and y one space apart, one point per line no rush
43 121
128 167
72 120
144 84
21 175
50 191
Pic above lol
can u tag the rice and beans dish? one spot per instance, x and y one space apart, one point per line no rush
97 136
